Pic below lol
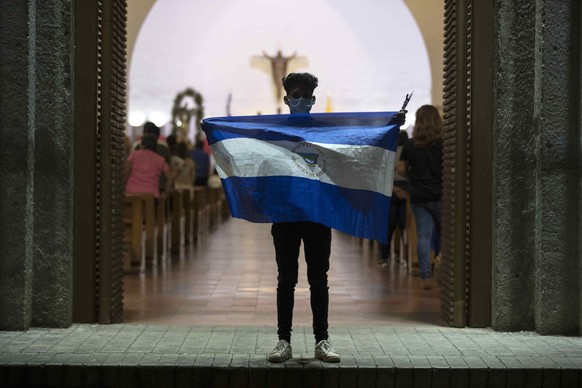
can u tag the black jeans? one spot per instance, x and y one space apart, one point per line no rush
316 238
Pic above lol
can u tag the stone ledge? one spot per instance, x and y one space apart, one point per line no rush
147 355
294 373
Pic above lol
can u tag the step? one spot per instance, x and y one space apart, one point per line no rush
173 356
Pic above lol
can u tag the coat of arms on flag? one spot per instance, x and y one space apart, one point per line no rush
333 168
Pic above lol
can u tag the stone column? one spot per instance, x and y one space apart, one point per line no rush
557 136
580 185
536 263
514 202
36 163
16 167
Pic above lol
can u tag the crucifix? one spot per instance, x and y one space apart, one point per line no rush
278 66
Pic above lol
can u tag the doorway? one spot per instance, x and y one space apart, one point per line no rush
99 129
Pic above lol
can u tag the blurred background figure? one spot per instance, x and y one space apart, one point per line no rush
183 168
144 167
397 213
421 161
202 162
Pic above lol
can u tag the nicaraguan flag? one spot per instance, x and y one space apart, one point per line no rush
332 168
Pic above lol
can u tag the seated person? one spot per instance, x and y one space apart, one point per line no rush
144 167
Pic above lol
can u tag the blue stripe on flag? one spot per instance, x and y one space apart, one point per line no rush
360 213
369 128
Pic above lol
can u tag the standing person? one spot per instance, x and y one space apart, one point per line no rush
397 212
421 160
287 237
144 167
202 161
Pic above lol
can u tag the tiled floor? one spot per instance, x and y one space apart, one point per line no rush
229 278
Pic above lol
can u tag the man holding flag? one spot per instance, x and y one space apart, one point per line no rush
307 173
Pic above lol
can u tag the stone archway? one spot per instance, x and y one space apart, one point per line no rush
98 293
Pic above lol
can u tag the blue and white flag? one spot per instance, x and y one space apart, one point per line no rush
332 168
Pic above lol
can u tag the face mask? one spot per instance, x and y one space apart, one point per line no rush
300 105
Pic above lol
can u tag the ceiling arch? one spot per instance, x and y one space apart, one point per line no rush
350 58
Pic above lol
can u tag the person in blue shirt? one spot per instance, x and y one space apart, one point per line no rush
202 162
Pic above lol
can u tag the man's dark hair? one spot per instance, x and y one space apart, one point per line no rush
199 144
149 142
293 79
151 128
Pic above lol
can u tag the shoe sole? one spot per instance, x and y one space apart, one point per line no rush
279 359
328 360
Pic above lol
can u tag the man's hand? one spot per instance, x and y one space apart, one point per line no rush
401 116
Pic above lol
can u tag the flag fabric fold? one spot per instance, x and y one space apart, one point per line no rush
332 168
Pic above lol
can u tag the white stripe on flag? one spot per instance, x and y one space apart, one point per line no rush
350 166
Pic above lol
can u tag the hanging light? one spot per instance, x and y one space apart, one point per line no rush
136 119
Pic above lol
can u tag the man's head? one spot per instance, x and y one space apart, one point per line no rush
299 88
150 128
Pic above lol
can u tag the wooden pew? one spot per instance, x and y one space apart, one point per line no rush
151 252
177 221
187 209
162 229
206 210
143 220
200 210
134 235
195 214
213 208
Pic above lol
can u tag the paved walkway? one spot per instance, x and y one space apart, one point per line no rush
166 356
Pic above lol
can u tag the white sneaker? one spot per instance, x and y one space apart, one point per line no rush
281 353
325 353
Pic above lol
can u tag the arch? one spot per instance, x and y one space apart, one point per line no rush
428 17
137 12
